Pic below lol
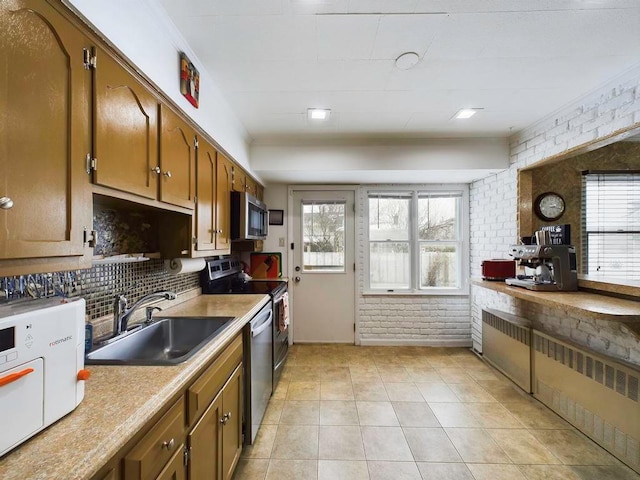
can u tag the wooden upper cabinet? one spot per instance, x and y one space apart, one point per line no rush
206 194
224 181
177 160
44 133
125 130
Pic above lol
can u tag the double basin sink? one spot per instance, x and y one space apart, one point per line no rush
166 341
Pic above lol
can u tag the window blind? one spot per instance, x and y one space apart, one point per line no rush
611 224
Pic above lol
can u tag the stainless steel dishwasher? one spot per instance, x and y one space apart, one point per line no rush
258 369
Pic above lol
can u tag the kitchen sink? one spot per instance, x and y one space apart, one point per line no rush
167 341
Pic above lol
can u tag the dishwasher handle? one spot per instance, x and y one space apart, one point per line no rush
266 324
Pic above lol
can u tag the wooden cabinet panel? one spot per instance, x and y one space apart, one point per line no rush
202 391
232 403
206 194
205 444
177 160
224 180
150 454
175 469
125 130
44 132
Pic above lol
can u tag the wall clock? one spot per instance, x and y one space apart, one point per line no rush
549 206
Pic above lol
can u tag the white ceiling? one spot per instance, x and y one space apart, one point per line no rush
518 60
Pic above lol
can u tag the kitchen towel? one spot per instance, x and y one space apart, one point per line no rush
283 316
177 266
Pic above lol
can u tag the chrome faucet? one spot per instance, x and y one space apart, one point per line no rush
122 312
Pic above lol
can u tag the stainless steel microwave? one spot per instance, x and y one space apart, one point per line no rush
249 217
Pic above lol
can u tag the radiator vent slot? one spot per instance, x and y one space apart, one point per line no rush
599 370
506 344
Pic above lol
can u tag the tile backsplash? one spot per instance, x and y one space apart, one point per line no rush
99 284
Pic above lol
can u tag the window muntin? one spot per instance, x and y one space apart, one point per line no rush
611 224
415 241
323 227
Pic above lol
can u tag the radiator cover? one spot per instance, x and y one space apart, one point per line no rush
597 395
506 345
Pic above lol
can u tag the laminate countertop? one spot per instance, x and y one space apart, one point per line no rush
120 400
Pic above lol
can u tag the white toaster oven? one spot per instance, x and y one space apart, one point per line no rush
41 366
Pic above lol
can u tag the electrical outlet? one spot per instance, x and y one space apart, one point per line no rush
281 242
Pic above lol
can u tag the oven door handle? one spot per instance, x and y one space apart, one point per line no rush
267 323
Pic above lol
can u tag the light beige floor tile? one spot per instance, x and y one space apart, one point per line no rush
365 377
453 415
431 445
482 372
424 375
534 415
303 391
296 442
273 412
306 373
263 443
341 443
522 447
281 390
598 472
573 448
336 391
386 443
370 391
453 375
300 412
441 361
548 472
376 413
251 469
415 414
342 470
337 412
444 471
471 392
337 373
394 374
493 415
292 470
437 392
503 391
495 472
476 446
393 471
403 392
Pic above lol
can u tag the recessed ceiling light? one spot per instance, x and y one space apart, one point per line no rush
318 113
407 60
466 113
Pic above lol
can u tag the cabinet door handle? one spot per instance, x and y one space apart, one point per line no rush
6 203
167 174
169 445
156 170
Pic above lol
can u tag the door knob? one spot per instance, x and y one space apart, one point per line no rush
156 170
169 445
297 279
167 174
6 203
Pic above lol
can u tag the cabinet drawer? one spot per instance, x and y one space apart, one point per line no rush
204 390
157 447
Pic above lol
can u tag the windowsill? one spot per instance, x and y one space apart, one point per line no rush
406 293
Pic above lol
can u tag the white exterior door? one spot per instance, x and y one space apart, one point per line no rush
322 279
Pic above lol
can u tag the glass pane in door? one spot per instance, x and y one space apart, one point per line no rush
323 226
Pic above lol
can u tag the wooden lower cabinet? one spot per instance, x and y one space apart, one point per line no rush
215 443
175 469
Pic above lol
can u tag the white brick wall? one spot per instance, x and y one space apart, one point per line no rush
493 211
440 320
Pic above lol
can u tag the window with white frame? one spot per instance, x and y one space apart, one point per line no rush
611 224
417 240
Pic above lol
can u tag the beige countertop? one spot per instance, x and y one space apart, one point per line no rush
119 401
592 305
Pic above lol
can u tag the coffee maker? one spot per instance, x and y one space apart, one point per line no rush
555 267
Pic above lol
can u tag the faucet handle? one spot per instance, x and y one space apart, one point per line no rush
149 313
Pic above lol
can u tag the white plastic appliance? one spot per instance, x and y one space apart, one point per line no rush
41 366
